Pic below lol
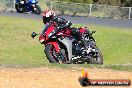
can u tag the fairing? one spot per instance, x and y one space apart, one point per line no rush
49 31
56 46
68 44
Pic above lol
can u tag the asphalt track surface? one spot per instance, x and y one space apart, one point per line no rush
78 20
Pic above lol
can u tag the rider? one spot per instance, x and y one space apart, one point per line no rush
49 16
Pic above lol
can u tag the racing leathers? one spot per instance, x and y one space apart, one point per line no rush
61 24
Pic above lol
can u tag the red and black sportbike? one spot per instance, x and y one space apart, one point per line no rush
61 46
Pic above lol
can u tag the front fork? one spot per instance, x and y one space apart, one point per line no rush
58 50
56 46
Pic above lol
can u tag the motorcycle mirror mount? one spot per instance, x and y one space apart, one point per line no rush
34 34
93 32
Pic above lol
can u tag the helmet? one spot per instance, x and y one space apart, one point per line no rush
48 15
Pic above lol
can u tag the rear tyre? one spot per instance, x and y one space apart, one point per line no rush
95 58
98 59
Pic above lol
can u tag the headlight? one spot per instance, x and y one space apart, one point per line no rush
49 35
53 32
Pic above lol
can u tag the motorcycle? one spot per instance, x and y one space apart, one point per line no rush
27 6
62 47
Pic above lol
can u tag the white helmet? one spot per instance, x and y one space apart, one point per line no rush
48 15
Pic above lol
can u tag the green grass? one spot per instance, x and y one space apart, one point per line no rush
18 49
115 44
42 4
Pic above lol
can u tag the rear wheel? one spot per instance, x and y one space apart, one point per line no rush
53 56
94 57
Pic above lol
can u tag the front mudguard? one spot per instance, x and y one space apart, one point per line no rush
56 46
19 8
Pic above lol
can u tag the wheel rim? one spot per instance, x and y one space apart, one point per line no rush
53 52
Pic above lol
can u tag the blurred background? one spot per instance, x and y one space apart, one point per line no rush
117 9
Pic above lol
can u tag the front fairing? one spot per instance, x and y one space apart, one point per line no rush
49 32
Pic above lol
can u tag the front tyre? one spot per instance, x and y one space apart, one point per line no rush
53 56
49 51
18 8
37 10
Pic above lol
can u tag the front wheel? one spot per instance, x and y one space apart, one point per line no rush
19 8
37 10
53 56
